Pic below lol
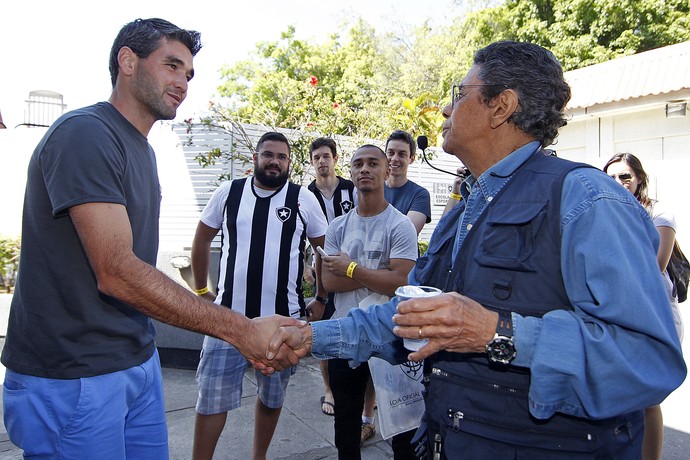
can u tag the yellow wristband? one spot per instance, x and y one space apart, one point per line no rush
201 291
456 197
351 269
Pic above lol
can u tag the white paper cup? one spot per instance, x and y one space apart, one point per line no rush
414 292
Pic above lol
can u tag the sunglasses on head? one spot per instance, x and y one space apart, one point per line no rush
623 177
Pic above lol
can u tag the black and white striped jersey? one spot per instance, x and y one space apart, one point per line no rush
344 199
262 245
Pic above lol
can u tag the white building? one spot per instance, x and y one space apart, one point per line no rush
636 104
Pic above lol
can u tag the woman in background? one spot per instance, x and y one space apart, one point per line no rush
627 170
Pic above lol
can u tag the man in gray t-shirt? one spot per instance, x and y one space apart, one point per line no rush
371 242
372 250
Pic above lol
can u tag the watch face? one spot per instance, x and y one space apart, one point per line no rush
501 350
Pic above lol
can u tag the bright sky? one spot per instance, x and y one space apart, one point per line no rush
64 46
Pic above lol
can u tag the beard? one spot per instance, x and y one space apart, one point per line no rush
151 95
269 180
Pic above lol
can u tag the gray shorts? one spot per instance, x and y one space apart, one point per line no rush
220 375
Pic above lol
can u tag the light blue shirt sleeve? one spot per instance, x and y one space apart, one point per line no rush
617 350
359 336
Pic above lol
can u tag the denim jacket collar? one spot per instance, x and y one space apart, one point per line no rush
491 181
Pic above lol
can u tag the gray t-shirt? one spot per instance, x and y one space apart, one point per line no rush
371 242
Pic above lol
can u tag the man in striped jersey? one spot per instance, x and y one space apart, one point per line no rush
337 196
264 221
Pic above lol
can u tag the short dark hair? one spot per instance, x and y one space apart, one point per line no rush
371 146
320 142
273 136
143 36
400 135
536 75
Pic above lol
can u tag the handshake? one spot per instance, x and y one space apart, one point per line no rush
274 343
450 322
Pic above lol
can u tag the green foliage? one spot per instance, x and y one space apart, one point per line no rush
365 84
334 88
423 246
340 88
586 32
308 289
9 260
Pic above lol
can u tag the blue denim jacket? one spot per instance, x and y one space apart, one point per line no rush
615 352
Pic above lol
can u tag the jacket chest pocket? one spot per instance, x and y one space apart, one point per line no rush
509 237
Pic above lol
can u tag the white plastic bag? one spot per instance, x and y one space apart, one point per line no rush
398 395
398 388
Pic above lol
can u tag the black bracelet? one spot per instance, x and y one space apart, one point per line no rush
321 299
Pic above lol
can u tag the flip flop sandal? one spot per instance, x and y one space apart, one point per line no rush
323 401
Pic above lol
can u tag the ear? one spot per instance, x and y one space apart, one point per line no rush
126 60
503 105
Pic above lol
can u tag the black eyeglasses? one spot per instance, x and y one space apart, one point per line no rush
269 156
623 177
458 93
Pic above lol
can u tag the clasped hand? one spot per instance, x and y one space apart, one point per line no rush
280 342
450 321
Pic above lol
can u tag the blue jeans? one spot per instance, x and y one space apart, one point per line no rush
116 416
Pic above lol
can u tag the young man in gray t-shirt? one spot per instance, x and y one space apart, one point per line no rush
372 250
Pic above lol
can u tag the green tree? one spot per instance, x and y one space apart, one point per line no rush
9 260
365 84
337 88
586 32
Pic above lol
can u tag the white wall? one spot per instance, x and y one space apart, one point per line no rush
179 208
662 145
16 147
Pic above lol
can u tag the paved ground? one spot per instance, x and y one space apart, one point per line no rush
303 432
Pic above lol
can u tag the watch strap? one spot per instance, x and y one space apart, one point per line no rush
504 326
321 299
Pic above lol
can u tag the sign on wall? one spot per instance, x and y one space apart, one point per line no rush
441 190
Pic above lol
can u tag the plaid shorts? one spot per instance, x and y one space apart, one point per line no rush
220 375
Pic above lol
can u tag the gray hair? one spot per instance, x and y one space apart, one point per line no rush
536 75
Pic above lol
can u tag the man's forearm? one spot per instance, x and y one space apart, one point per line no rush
155 294
106 237
335 283
382 281
200 262
201 254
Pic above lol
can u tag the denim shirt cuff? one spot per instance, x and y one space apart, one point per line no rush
326 338
526 329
